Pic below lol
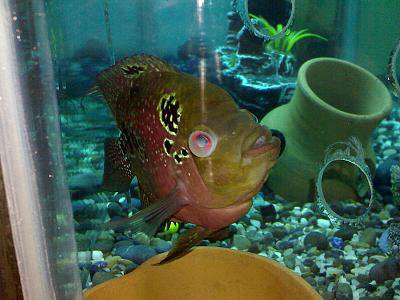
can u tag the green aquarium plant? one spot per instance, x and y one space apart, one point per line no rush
171 227
232 59
287 42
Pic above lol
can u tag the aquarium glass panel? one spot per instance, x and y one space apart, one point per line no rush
267 128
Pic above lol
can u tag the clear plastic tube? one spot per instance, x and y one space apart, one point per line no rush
39 206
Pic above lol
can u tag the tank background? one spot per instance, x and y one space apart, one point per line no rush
146 26
151 26
376 31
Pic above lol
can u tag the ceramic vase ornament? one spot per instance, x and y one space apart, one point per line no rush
333 100
210 273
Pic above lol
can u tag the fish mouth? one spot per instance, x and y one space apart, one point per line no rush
261 141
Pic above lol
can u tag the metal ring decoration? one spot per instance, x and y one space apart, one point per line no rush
332 155
395 182
241 7
391 72
393 233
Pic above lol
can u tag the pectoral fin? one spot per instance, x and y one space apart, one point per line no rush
149 219
117 169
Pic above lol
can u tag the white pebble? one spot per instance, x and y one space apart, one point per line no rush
303 221
297 270
296 211
322 223
97 255
240 229
255 223
306 212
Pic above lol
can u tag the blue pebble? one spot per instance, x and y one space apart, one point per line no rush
121 238
97 266
337 242
163 247
383 242
136 253
136 203
101 264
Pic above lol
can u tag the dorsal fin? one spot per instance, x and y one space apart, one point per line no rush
117 169
116 81
133 67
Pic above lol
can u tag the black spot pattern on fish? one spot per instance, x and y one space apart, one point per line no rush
180 155
168 146
170 113
177 158
184 153
132 71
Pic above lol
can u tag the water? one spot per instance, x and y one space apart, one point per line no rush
260 70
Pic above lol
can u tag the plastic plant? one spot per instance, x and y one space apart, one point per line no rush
171 227
232 60
287 42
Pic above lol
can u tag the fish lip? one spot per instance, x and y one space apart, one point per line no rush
272 144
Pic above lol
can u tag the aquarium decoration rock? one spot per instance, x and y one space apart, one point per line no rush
258 83
248 44
332 154
259 80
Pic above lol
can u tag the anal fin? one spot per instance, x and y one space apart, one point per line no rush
188 239
118 173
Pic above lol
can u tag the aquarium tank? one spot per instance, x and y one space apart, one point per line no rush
140 130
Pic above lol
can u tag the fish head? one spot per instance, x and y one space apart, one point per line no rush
232 152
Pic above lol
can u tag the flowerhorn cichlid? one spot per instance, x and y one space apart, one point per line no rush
198 158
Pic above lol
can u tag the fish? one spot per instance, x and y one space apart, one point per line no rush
197 156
